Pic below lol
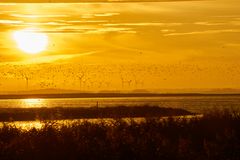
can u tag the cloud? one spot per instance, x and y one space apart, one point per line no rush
227 16
144 24
210 23
75 22
56 57
235 23
5 3
92 15
203 32
88 1
110 29
44 24
64 26
10 22
39 15
88 30
232 45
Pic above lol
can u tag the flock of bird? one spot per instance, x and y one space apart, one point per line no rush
101 77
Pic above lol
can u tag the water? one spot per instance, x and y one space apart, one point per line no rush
197 104
27 125
191 103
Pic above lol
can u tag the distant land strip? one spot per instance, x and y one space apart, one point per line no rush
110 95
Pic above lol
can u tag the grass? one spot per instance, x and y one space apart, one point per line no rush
215 136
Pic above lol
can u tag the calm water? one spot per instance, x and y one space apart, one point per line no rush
196 103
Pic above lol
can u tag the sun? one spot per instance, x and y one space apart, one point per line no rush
31 42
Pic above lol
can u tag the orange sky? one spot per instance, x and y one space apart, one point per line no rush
123 46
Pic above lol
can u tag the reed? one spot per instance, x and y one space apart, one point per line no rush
215 136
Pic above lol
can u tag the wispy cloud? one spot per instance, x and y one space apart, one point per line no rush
88 1
209 23
93 15
203 32
144 24
110 29
84 30
225 23
39 15
10 22
57 57
236 23
232 45
82 21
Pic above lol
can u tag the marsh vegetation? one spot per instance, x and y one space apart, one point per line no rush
216 135
61 113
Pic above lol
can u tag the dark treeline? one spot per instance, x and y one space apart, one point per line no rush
31 114
215 136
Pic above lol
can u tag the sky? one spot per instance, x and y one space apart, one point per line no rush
121 46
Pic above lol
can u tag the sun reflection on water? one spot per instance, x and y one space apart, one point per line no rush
33 102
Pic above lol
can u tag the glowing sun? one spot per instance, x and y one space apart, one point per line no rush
31 42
